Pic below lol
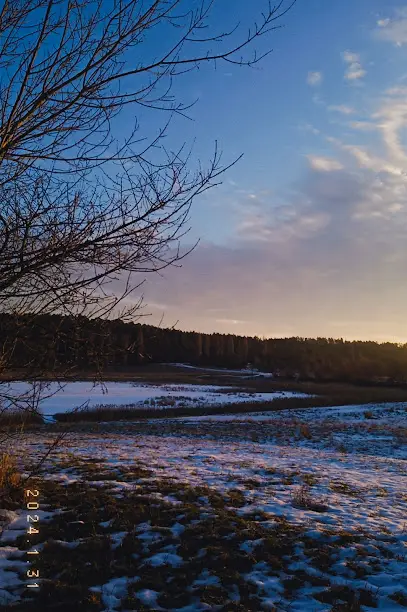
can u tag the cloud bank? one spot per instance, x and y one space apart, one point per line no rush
328 257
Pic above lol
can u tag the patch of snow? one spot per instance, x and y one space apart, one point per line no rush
206 579
149 598
112 592
117 538
177 529
19 524
165 559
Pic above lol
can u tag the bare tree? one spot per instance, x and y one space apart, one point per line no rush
78 206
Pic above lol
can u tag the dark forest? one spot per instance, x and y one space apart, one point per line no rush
57 343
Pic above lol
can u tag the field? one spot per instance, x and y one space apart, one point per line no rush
290 509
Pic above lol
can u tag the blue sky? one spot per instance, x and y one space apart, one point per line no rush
307 234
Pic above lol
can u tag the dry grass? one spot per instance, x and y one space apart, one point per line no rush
9 475
302 498
19 418
400 598
345 489
305 431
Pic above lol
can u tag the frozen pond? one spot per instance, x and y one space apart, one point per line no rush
68 396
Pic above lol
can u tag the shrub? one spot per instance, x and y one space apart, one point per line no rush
305 431
9 476
303 499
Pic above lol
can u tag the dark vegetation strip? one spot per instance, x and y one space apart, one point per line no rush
128 413
19 418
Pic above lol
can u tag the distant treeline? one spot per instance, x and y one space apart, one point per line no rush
55 343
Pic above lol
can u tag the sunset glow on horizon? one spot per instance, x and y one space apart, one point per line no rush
307 234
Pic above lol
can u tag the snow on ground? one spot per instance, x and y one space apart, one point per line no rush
112 592
10 564
18 524
384 413
63 398
224 465
244 372
337 475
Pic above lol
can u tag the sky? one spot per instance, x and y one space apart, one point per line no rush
306 236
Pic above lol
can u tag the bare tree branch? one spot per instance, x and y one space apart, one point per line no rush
79 207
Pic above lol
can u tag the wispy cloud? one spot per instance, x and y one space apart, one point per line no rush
314 78
316 98
391 119
324 164
364 126
308 127
342 108
393 30
231 321
354 70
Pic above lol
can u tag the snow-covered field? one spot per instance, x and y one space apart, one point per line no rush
291 510
68 396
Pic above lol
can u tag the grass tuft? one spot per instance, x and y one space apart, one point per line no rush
303 499
9 475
